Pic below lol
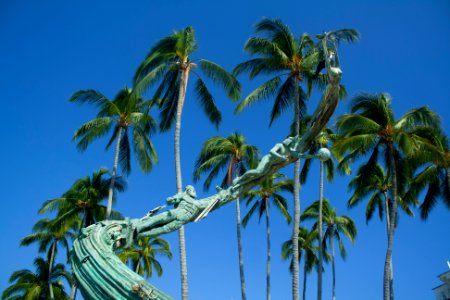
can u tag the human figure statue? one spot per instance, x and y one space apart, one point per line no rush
330 97
278 154
281 153
186 209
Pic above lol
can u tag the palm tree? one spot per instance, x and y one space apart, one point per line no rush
432 173
335 225
83 200
169 62
374 184
143 255
29 285
126 115
306 247
320 142
236 156
48 236
371 128
293 61
268 190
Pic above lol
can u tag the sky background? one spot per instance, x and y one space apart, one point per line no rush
50 49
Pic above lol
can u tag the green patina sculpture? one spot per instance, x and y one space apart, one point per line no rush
100 273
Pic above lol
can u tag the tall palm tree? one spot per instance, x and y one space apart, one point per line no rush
321 141
373 183
143 255
169 62
371 128
236 156
83 200
307 248
48 236
29 285
268 190
291 61
335 225
432 172
127 114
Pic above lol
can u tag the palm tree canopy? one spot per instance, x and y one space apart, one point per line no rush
279 52
127 111
219 153
371 127
29 285
143 255
84 199
269 189
163 64
46 232
307 247
372 183
335 224
431 173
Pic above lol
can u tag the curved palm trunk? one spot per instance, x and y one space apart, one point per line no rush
50 267
295 277
304 281
266 200
388 261
113 175
319 272
333 297
179 184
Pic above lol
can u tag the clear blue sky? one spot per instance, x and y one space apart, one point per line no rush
50 49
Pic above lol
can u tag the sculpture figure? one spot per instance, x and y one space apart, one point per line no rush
100 273
186 209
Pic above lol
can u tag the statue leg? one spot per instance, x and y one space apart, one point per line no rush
169 227
155 221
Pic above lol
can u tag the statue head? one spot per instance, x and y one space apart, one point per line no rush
190 191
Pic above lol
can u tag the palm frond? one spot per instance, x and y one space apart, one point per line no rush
221 77
92 130
263 92
207 102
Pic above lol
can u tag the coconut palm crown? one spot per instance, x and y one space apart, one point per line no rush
35 285
127 116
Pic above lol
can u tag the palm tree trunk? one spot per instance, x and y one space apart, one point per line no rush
388 224
304 281
138 265
319 271
179 184
113 175
73 292
234 166
295 275
332 265
388 261
266 200
241 256
50 267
